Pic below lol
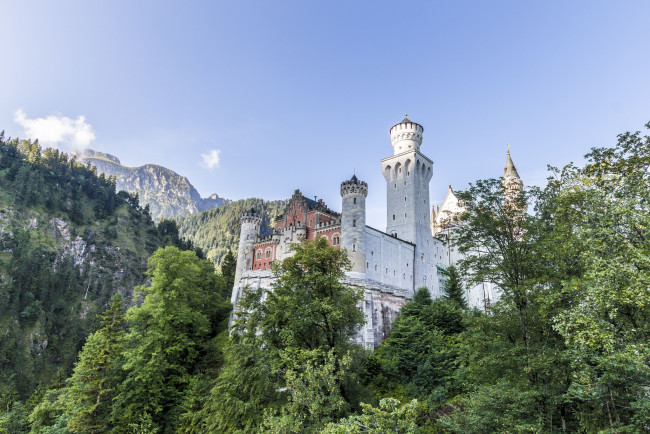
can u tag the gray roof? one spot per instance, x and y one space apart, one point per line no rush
510 170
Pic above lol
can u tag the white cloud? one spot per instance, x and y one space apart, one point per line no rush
211 159
57 130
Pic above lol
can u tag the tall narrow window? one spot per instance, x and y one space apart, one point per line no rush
354 247
354 223
354 200
404 198
393 217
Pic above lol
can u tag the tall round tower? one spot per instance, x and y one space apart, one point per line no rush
250 225
406 136
353 222
408 216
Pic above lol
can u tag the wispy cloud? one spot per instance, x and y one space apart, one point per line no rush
211 159
57 130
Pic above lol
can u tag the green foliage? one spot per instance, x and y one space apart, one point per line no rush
454 287
419 354
246 387
228 268
294 339
98 373
49 415
309 306
69 242
388 417
167 335
568 342
565 349
314 380
216 231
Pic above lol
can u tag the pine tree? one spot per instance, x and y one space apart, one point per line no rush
454 287
98 373
168 335
228 270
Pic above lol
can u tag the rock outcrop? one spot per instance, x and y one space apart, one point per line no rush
168 194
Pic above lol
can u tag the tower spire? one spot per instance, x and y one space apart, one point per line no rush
510 170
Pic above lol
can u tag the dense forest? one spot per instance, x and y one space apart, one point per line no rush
565 349
68 243
216 231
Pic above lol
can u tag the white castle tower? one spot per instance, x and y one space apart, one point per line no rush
407 173
250 225
353 222
512 183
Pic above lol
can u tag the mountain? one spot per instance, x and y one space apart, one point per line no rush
168 194
215 231
68 242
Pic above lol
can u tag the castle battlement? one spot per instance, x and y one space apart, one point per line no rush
388 265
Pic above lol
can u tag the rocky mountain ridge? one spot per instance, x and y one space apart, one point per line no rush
168 194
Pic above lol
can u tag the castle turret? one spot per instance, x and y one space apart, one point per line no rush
353 222
407 173
250 225
406 136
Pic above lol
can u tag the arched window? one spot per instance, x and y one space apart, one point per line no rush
267 253
258 255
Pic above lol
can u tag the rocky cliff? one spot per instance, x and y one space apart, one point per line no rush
168 194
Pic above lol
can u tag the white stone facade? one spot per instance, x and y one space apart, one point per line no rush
389 265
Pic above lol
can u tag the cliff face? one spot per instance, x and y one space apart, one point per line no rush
168 194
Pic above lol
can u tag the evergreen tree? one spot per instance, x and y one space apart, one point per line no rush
98 373
228 268
291 346
168 335
454 287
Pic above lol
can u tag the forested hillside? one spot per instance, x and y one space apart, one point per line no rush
216 231
68 243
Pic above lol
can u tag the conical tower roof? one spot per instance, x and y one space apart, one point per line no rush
510 170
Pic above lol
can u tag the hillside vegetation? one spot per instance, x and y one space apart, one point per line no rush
68 243
216 231
565 349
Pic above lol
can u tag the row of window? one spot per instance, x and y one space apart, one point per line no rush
267 254
394 272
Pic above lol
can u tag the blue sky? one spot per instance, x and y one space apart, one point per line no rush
300 94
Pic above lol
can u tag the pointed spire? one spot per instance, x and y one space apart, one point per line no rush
510 170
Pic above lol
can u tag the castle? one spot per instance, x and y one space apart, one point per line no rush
413 251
